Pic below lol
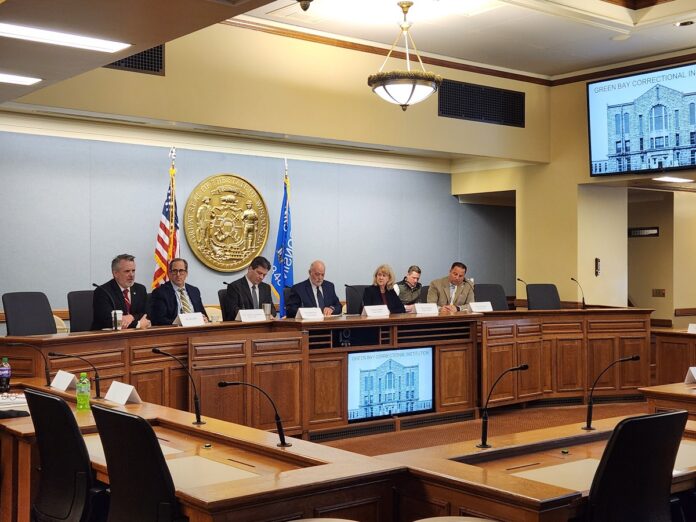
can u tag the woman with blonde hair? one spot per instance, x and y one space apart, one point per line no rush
382 291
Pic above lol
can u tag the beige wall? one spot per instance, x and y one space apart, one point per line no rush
237 78
684 255
602 223
650 259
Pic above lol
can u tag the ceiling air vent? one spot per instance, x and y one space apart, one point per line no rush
467 101
150 61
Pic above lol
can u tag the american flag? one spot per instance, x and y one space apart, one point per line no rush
167 243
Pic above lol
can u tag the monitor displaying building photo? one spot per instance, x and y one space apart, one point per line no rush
643 122
389 382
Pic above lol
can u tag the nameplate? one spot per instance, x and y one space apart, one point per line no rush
690 375
375 311
64 381
481 306
192 319
426 308
692 328
309 314
122 393
251 316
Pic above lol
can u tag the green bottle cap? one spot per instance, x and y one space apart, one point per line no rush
4 359
83 375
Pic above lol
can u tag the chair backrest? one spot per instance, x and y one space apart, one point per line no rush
634 477
80 310
28 313
66 474
543 297
354 297
286 294
140 482
424 294
222 297
493 293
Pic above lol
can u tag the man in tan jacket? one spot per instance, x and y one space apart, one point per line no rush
452 292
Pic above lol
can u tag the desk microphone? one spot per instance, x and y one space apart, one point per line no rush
94 368
279 424
113 305
588 426
522 281
36 348
484 414
583 293
196 400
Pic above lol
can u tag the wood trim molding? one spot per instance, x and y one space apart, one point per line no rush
62 313
661 323
637 4
683 312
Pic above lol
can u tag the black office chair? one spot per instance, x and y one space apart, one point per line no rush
286 294
493 293
543 297
354 297
222 297
634 476
68 491
141 485
80 308
28 313
423 298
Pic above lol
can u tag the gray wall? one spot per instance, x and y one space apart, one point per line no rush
67 206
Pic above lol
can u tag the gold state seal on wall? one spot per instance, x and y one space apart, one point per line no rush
226 222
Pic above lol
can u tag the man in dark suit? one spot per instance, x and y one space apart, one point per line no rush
250 291
314 292
121 293
175 296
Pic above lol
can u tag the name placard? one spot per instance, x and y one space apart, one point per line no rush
309 314
191 319
375 311
122 393
481 306
692 328
426 308
251 316
64 381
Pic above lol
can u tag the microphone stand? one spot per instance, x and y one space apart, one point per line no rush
196 400
94 368
588 426
279 424
581 291
113 305
36 348
484 414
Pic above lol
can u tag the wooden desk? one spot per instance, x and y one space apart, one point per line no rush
565 350
675 352
302 481
303 365
677 396
461 479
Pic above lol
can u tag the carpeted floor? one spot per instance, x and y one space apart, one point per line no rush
499 423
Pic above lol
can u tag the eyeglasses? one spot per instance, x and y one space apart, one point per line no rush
178 271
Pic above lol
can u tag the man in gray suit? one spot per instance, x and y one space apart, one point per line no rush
452 292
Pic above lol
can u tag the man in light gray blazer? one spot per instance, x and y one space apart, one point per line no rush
453 291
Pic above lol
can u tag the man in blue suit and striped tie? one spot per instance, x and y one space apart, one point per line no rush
175 296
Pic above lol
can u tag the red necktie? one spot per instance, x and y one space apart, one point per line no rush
128 303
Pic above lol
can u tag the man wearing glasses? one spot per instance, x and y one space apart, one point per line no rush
175 296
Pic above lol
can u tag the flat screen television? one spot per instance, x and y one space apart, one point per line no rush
643 123
390 382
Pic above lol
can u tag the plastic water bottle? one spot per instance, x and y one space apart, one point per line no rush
83 392
5 374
